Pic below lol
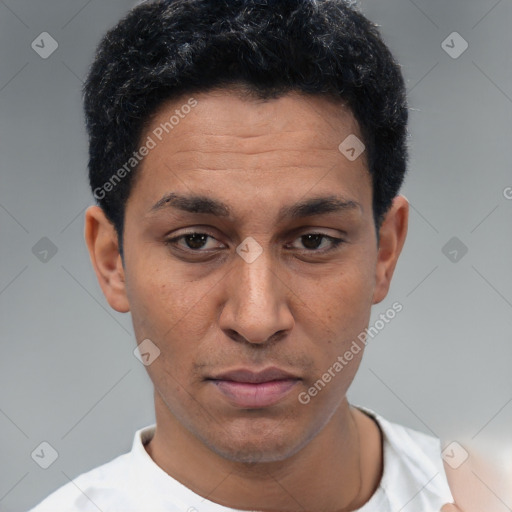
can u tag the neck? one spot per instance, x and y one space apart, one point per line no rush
347 447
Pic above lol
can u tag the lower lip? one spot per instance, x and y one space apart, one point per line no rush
252 395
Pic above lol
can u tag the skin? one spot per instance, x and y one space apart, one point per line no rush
297 306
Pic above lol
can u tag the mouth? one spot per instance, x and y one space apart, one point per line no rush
249 389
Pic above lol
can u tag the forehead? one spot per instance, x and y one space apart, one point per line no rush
229 114
230 145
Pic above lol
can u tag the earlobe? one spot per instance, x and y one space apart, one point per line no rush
393 232
102 243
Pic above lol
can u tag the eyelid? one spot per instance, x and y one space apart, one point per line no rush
335 241
174 239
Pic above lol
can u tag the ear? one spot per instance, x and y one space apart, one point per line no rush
102 243
392 237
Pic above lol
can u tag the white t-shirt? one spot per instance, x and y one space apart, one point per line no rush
413 480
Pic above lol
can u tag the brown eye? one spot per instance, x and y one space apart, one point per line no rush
195 241
313 241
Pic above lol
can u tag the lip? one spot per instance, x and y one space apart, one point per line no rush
255 377
254 389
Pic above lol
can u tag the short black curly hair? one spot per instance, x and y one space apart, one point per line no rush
167 48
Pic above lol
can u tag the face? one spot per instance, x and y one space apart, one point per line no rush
250 246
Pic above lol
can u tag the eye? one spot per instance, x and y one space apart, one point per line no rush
198 242
193 241
312 242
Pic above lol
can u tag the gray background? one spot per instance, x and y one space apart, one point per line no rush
441 366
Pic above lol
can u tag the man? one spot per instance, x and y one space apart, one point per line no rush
247 157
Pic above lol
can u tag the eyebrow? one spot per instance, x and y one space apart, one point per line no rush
200 204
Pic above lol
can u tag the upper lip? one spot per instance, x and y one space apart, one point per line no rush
255 377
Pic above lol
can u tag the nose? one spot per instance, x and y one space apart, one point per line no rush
256 307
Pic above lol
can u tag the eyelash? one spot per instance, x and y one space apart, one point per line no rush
335 242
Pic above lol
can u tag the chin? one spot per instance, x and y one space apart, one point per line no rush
254 452
272 442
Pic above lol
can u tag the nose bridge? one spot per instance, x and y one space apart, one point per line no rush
256 273
256 306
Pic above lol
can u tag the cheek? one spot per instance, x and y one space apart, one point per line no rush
162 299
176 313
344 308
165 311
342 302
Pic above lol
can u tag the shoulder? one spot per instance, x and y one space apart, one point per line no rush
91 490
110 486
413 466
